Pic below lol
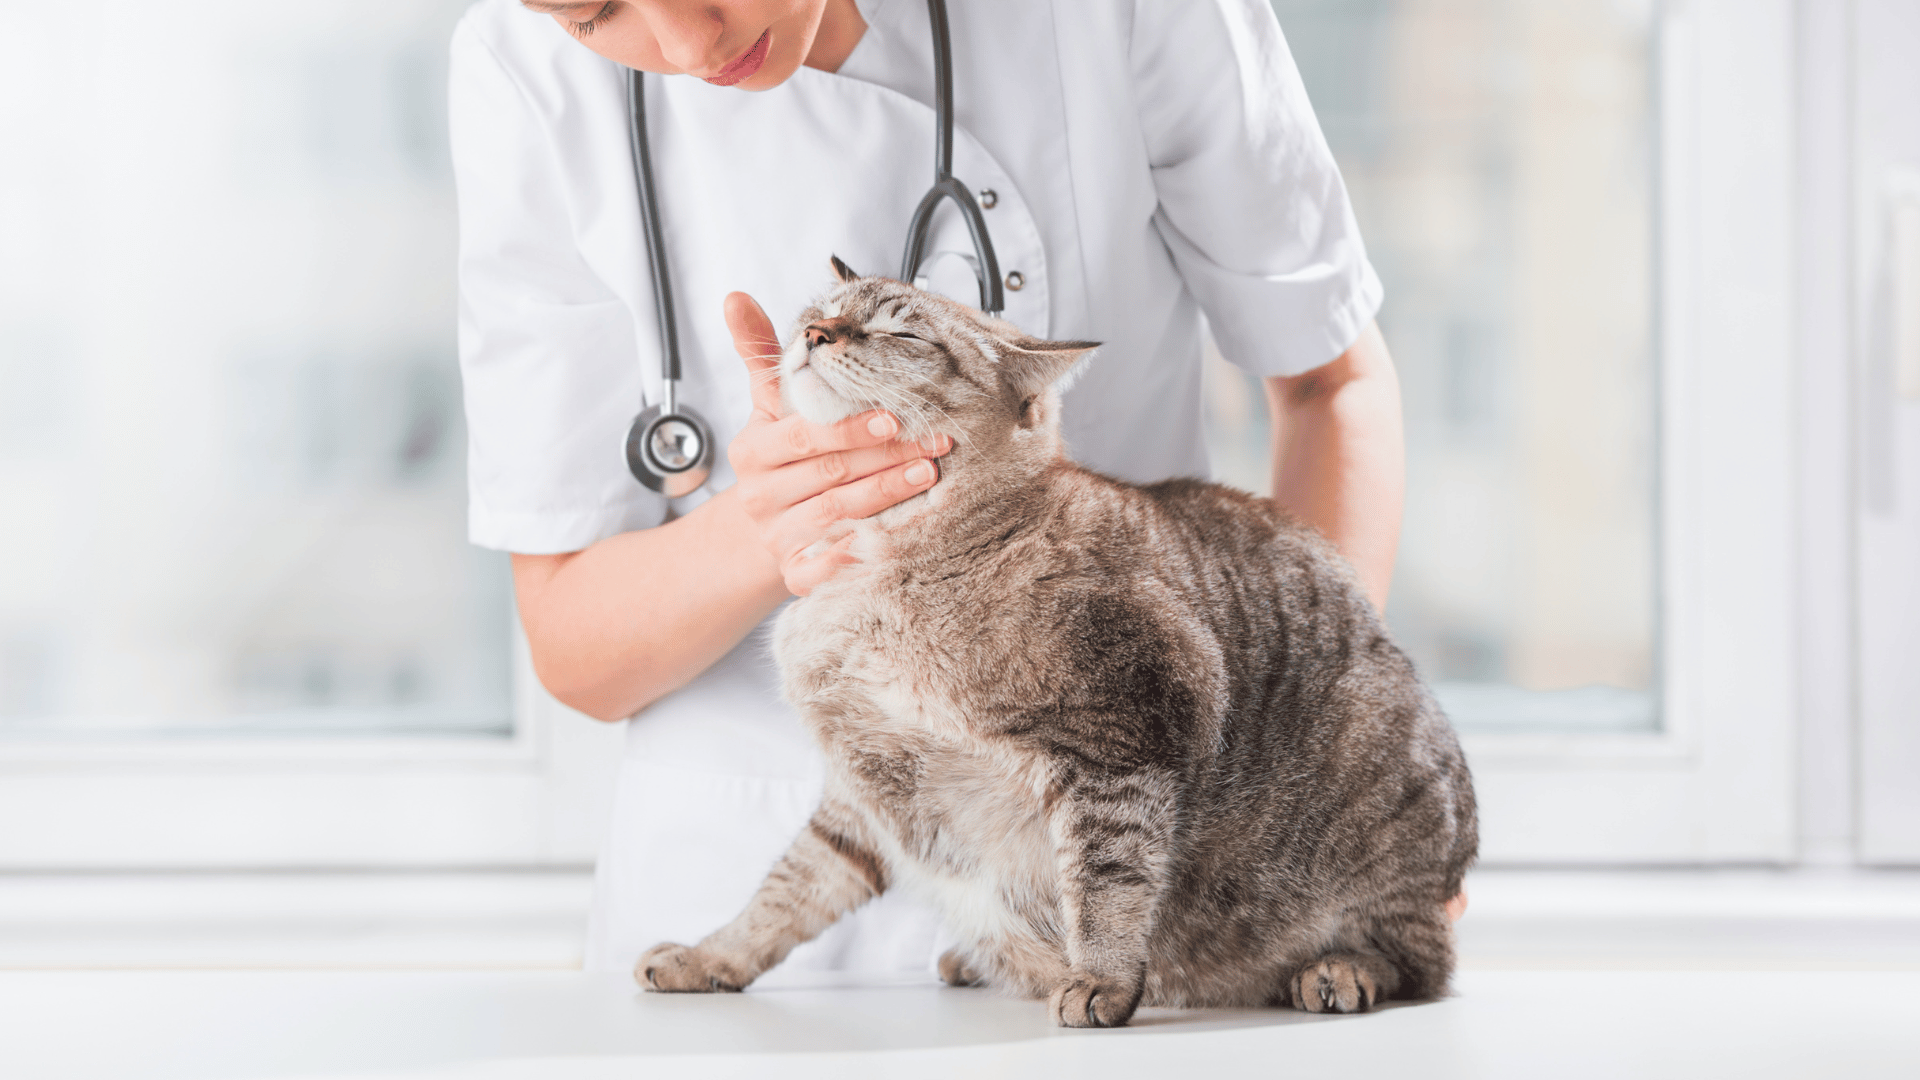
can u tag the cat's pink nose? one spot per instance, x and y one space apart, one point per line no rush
826 331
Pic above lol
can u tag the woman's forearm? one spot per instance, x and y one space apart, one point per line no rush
1339 455
619 625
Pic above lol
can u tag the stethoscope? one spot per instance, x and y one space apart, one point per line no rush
670 446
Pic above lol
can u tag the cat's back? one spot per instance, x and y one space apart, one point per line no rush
1283 657
1271 592
1091 570
1306 655
1331 751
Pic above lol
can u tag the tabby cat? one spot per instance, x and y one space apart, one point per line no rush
1140 744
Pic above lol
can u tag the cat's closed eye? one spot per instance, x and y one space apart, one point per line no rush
904 334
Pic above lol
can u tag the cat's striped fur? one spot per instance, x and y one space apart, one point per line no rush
1140 744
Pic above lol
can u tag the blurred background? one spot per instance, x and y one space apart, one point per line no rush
261 704
1500 157
233 449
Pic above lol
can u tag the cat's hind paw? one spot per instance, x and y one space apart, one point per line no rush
682 969
955 971
1086 1000
1337 984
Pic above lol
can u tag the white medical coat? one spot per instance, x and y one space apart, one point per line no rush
1149 160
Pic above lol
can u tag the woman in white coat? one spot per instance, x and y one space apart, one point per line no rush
1140 163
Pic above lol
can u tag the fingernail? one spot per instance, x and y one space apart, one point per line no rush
919 473
881 425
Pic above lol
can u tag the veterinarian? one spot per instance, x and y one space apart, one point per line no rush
1137 164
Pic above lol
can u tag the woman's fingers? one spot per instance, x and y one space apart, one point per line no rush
814 518
755 341
764 446
865 498
799 481
802 574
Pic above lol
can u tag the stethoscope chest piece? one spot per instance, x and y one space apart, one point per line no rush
670 451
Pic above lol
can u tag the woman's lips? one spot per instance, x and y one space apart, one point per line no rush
744 67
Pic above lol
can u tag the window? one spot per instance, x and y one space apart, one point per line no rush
1499 156
233 431
237 591
1582 213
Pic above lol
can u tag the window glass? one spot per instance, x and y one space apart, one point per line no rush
231 445
1498 153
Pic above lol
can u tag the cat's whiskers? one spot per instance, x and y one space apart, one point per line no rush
960 434
922 406
885 398
875 386
912 409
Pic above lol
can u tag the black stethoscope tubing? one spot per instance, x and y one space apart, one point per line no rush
670 447
986 268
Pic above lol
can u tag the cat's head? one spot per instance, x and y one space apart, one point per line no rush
939 366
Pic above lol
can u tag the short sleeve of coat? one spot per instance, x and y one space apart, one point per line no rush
545 346
1250 201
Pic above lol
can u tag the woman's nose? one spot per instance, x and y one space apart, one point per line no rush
688 35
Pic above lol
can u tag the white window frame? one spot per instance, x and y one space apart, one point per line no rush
540 798
1886 275
1716 784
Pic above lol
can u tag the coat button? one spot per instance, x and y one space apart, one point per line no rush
1015 280
989 198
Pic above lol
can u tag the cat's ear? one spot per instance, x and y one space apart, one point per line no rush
1030 365
841 270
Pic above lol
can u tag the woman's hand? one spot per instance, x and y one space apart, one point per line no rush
800 482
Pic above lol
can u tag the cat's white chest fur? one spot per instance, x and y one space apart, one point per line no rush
979 848
852 642
971 835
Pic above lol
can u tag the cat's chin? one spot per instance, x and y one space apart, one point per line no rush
808 395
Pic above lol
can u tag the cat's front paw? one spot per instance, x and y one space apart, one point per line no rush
1087 1000
683 969
955 971
1339 984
